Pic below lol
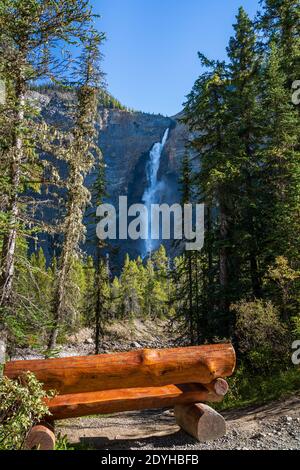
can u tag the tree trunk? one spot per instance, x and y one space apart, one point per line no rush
201 320
65 264
255 277
98 327
224 301
223 250
3 343
209 248
98 312
58 305
254 272
190 277
9 241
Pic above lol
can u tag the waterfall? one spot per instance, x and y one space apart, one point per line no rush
149 196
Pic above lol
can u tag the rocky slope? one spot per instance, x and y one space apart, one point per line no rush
118 337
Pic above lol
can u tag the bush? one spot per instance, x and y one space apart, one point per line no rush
282 284
21 407
263 339
253 389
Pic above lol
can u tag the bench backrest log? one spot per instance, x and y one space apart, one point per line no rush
140 368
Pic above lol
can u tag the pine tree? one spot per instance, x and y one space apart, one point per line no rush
99 293
223 110
245 136
98 298
247 144
80 158
33 289
207 115
116 299
279 20
102 309
186 180
131 289
280 163
184 274
29 32
161 287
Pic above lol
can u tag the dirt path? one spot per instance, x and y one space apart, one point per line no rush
273 426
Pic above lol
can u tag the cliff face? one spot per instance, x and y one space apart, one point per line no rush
125 139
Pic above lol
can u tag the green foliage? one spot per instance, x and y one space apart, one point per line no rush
62 443
131 289
262 337
32 318
108 101
296 326
144 290
79 153
31 34
21 406
282 285
247 142
279 21
98 301
244 285
246 388
28 322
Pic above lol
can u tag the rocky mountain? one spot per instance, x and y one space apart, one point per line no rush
126 139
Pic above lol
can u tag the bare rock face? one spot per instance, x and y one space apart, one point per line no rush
125 138
176 146
126 141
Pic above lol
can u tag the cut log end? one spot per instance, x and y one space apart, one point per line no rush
200 421
218 386
40 437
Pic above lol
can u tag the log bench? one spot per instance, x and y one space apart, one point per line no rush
179 378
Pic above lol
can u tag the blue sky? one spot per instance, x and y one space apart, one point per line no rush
151 49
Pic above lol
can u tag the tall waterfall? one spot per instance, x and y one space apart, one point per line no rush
150 193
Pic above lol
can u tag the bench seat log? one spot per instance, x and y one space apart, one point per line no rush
114 401
141 368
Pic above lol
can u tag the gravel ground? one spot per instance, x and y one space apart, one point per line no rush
273 426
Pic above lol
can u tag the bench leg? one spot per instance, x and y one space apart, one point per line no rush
40 437
200 421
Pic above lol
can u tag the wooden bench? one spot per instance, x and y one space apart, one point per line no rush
181 378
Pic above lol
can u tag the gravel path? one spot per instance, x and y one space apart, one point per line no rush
273 426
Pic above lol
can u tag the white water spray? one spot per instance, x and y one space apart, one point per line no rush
149 196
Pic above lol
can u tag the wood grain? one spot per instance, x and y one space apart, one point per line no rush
114 401
142 368
200 421
218 386
40 437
